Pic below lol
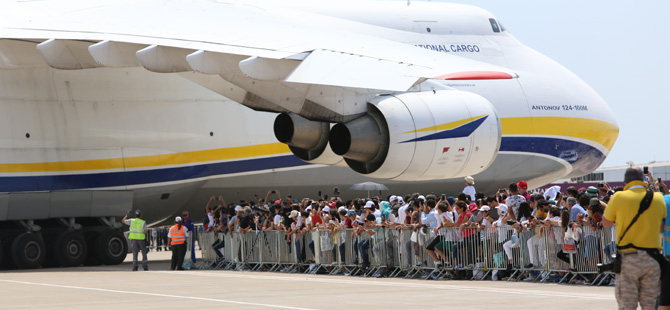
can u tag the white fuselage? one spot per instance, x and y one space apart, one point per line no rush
152 133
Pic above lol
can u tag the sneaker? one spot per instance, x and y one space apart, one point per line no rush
494 277
438 263
134 268
528 266
146 268
529 279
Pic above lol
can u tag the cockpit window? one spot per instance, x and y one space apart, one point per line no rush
502 27
494 25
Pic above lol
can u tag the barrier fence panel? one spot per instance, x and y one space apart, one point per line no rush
494 252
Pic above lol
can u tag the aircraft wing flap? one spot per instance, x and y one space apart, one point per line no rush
324 67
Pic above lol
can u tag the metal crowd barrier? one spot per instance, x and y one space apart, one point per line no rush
466 253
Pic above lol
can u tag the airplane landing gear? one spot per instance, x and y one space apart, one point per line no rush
28 250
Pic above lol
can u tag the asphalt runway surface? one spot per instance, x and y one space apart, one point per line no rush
116 287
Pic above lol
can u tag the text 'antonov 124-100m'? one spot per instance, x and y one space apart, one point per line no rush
107 106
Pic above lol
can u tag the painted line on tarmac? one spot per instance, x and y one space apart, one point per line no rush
408 284
155 295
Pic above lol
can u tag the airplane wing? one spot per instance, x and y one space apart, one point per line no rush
299 53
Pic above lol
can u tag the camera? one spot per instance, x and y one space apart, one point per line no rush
613 266
336 191
511 222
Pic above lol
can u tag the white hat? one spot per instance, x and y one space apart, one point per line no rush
470 180
400 200
485 208
326 209
393 198
238 208
177 219
308 208
502 209
369 205
294 213
422 198
341 208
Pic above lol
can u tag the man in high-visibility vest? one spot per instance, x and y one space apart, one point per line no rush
137 235
177 240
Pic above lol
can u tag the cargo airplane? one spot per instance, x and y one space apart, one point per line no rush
112 105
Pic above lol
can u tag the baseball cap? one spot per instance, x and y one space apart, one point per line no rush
393 198
138 212
341 208
400 200
502 208
592 191
422 198
351 212
238 208
326 209
472 207
552 202
485 208
308 208
522 184
369 205
177 219
294 213
451 200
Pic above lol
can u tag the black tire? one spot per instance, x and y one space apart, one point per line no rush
92 258
70 249
111 247
28 251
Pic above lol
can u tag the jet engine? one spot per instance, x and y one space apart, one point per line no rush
420 136
308 140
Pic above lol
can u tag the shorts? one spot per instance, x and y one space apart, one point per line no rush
638 281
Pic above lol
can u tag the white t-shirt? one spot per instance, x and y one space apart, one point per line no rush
470 191
513 202
393 219
210 217
401 213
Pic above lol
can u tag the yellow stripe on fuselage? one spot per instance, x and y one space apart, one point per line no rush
151 160
597 131
448 126
600 132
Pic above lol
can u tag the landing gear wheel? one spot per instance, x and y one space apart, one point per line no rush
111 247
92 258
70 249
28 251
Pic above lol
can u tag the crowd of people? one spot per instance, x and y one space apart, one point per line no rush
471 211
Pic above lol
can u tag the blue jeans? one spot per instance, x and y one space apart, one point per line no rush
365 255
217 248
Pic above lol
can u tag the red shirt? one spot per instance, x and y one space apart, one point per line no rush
316 219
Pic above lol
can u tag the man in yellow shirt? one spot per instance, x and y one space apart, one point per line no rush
638 281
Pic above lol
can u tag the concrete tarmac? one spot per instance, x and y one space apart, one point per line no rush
116 287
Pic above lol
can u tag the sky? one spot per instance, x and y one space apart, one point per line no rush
620 48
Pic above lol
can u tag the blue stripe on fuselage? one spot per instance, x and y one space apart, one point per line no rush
114 179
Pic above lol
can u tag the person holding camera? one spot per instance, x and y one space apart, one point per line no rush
137 234
638 213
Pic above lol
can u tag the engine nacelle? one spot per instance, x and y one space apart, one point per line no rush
308 140
421 136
